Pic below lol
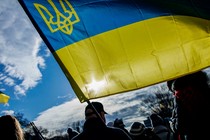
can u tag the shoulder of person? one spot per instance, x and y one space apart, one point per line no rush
160 129
79 136
119 133
115 129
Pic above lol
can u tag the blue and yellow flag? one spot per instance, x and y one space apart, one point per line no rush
4 98
107 47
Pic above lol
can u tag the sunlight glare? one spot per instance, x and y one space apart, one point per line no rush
95 86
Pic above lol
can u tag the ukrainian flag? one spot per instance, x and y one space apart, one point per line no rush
4 98
107 47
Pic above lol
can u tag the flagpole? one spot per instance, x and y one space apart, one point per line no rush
36 131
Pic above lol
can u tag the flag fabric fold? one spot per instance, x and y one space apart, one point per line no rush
4 98
110 47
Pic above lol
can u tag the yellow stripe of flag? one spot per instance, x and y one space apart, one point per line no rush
137 55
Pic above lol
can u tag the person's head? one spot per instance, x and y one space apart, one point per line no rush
10 128
110 124
156 120
197 80
190 88
69 130
90 112
119 123
137 129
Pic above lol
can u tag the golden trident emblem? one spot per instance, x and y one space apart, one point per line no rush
60 22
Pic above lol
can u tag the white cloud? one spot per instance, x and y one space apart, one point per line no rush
19 49
8 112
60 116
9 81
127 106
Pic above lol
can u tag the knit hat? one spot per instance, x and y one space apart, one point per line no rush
118 123
137 128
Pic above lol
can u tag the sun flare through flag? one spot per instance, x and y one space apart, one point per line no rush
114 46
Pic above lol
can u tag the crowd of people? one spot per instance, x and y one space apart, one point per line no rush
95 127
190 115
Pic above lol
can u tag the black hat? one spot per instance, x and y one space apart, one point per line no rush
198 79
97 105
118 123
137 128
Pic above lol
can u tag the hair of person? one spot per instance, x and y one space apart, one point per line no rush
10 128
198 79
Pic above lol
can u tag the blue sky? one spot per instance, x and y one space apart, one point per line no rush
28 72
36 84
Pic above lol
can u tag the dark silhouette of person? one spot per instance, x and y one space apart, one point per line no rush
10 128
71 133
95 125
120 124
190 115
160 128
138 131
